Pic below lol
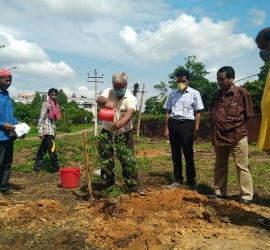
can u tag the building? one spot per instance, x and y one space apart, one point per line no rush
82 102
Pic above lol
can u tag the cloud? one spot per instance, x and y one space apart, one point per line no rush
258 17
188 37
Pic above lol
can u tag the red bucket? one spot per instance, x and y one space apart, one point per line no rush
106 115
70 177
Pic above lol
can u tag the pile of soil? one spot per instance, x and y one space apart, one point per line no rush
40 214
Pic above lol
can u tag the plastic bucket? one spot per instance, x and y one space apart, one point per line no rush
106 115
70 177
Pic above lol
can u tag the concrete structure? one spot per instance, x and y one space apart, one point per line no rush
83 102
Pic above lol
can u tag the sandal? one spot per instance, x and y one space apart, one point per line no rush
265 222
140 192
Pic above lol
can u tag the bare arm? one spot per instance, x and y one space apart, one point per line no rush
126 118
105 102
197 115
166 132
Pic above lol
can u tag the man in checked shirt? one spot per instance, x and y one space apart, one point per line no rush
50 112
231 108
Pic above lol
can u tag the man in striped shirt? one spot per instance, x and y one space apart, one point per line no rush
183 107
231 108
49 113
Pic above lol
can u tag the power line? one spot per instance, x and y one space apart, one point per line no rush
147 38
169 37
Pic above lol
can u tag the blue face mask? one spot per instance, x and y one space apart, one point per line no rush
119 92
265 55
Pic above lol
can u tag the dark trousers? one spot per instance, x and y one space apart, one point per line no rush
129 170
6 158
181 137
47 144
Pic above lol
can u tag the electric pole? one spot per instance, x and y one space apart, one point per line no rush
140 112
95 81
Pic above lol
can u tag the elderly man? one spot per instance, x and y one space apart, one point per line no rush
119 98
263 43
231 108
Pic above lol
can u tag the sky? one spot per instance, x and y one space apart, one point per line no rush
60 43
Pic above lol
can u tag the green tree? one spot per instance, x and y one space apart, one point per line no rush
23 112
256 87
154 105
62 99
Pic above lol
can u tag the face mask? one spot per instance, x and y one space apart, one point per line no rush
119 92
182 86
265 55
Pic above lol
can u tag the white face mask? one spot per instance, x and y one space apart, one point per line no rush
265 55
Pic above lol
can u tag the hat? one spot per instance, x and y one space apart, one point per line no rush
5 72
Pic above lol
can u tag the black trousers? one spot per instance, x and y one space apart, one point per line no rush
107 153
6 158
47 145
181 139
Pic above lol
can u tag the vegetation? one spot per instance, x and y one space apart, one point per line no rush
198 80
71 113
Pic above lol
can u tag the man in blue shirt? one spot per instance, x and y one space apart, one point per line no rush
7 133
183 107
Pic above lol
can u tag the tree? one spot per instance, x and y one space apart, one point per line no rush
154 105
197 81
256 87
23 112
62 98
162 88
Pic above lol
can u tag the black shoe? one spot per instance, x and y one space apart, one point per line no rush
246 202
193 188
215 195
7 191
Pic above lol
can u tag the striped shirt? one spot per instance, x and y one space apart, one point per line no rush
183 104
229 115
46 126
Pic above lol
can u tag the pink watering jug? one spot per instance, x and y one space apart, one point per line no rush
106 114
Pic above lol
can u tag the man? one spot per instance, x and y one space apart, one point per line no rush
50 112
7 134
263 42
183 107
231 108
124 103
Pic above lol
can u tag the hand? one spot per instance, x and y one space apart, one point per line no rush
195 134
109 104
166 134
9 127
41 136
117 125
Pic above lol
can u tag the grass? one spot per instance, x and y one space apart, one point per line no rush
71 153
34 132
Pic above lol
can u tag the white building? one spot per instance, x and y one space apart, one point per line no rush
83 102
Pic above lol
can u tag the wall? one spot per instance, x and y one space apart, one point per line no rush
157 129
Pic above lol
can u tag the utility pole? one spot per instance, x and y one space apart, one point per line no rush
140 112
95 81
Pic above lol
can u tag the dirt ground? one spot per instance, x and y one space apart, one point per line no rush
43 215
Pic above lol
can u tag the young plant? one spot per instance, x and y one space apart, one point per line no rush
105 144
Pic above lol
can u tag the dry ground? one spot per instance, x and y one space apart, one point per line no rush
43 215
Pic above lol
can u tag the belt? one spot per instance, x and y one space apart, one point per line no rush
177 121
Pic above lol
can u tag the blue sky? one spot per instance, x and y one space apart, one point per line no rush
56 43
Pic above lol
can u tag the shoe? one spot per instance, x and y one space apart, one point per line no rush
265 222
174 185
215 195
193 188
140 192
7 191
246 202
